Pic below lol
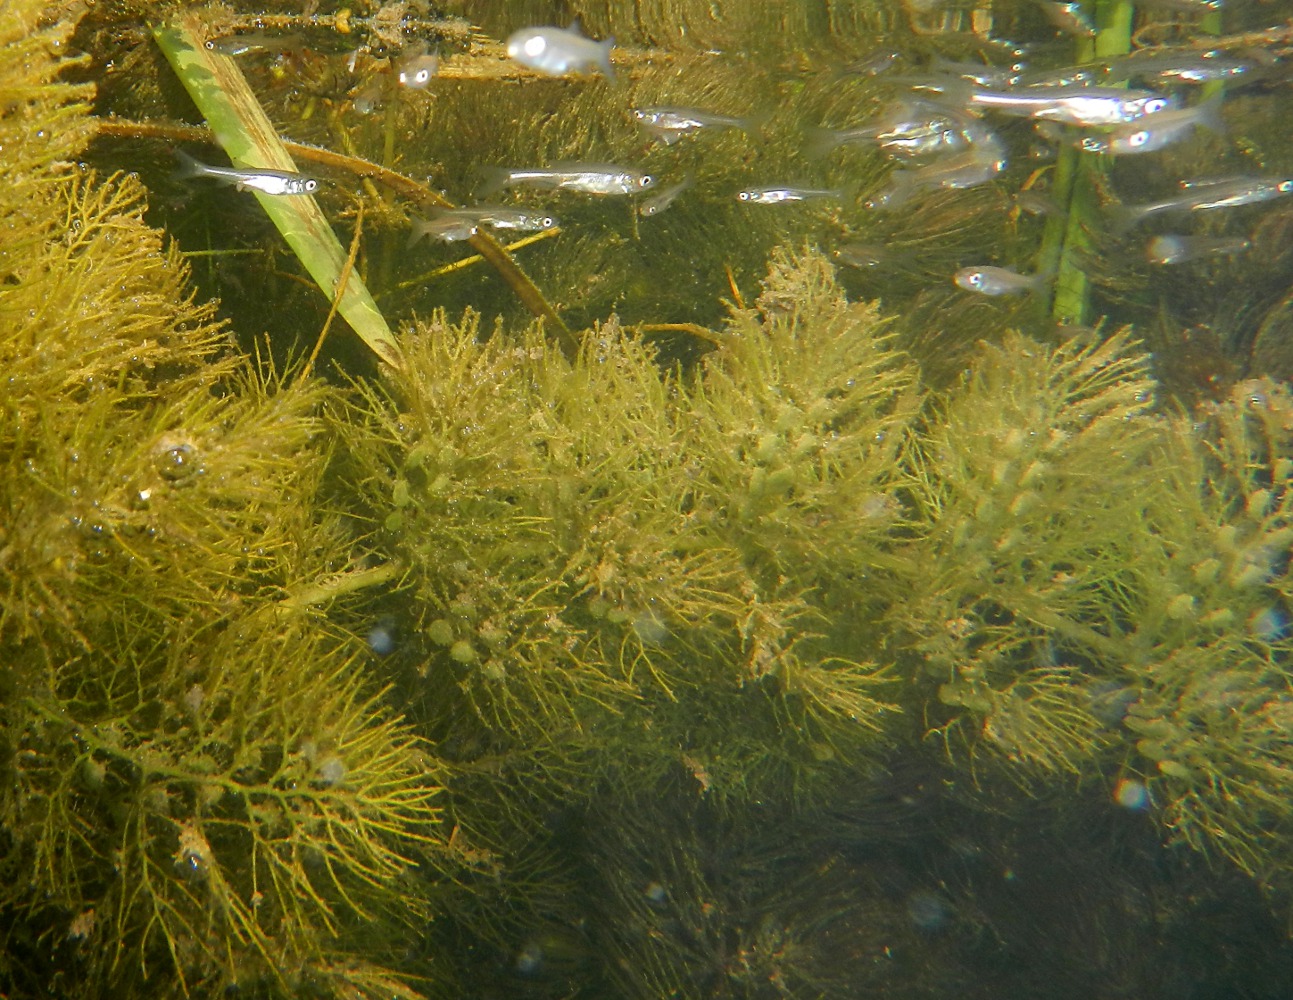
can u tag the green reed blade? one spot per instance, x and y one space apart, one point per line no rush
242 128
1078 176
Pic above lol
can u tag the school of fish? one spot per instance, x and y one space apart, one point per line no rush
939 130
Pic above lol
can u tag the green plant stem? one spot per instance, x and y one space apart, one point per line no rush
1077 180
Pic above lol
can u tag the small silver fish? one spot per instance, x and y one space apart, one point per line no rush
1073 105
907 128
988 280
1173 249
275 182
872 64
866 256
589 178
671 124
779 195
658 202
1205 195
447 228
498 217
1037 203
256 41
1155 132
452 224
1181 67
416 69
558 51
1069 17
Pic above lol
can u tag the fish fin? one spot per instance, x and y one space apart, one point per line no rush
820 141
752 123
495 179
604 57
1210 114
189 167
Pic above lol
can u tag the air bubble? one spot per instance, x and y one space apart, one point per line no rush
178 461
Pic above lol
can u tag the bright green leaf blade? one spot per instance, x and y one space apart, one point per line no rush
241 126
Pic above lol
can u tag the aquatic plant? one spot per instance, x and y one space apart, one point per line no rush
582 535
199 788
1210 651
1031 476
1105 586
679 613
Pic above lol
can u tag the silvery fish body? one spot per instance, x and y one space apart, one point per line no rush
1205 195
1174 249
778 195
1181 67
590 178
658 202
273 182
1073 105
671 124
988 280
257 41
450 225
558 51
498 217
1152 133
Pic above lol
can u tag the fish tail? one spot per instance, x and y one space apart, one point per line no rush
604 57
1122 219
419 229
1210 114
189 167
495 179
820 141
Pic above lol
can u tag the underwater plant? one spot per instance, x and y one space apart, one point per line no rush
583 535
200 788
743 664
1106 586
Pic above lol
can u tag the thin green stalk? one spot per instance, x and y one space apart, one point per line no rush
1077 180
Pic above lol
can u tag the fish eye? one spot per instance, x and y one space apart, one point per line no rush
645 181
311 184
1155 104
534 46
974 279
1138 139
547 222
744 195
422 76
1284 187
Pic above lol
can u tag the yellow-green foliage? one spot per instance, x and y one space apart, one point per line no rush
1212 643
1032 475
215 811
582 535
1096 584
197 786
